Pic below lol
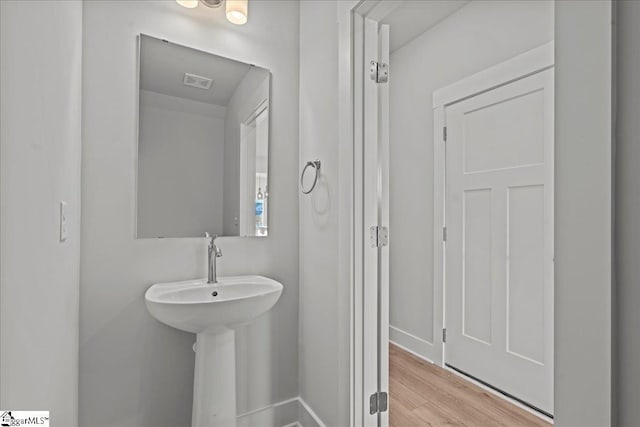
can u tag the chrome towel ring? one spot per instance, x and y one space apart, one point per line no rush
315 164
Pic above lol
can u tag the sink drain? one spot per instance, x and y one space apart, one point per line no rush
214 293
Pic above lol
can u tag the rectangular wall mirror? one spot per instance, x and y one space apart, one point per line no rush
203 144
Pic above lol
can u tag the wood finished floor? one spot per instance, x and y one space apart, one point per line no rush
423 394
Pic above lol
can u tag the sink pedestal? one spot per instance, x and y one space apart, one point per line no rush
214 381
211 312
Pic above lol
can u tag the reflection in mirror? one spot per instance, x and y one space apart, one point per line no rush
203 144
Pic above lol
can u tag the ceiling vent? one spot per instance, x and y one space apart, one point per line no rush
197 81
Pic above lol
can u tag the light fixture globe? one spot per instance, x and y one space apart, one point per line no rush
189 4
237 11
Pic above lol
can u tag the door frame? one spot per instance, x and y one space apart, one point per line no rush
353 239
516 68
524 65
584 46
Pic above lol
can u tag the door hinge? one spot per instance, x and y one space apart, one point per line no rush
379 72
444 134
444 335
378 402
378 236
444 234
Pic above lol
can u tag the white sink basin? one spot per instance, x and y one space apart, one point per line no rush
212 311
195 306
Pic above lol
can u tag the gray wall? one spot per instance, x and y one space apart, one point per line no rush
583 206
627 211
475 37
320 345
40 122
135 371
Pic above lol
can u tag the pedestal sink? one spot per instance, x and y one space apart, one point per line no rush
212 312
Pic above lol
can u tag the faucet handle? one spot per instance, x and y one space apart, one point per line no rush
210 239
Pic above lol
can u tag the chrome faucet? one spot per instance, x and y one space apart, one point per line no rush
213 252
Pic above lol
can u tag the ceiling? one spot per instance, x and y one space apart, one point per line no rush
412 18
163 65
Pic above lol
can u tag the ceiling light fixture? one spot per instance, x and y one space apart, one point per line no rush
189 4
237 11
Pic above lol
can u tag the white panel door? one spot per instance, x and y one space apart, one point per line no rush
499 249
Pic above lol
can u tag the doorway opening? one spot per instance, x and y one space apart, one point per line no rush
497 249
458 112
254 197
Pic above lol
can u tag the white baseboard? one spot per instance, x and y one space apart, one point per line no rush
308 418
408 350
279 414
293 412
413 344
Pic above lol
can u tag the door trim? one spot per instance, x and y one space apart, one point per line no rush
516 68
